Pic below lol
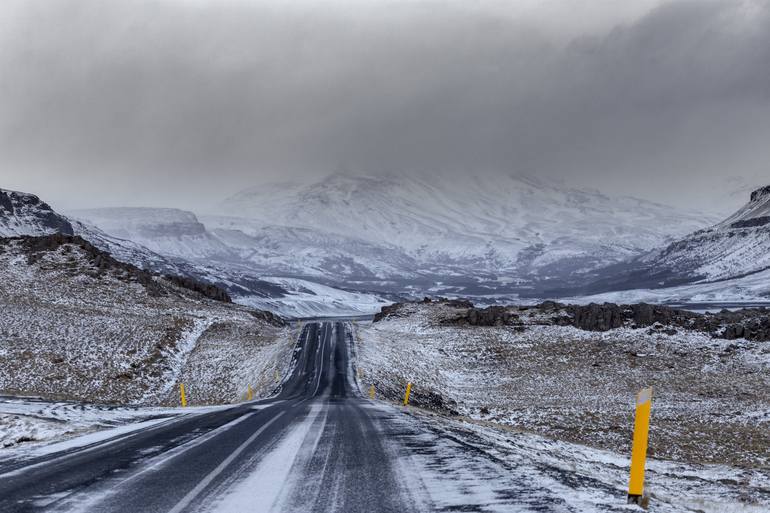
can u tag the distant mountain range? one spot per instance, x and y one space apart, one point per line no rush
354 240
468 235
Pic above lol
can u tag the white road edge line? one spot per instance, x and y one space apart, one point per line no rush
187 499
321 362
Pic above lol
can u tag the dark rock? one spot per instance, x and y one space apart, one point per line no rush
388 311
458 303
205 289
751 223
490 316
595 317
268 317
760 193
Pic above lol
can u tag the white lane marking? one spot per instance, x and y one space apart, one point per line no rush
187 499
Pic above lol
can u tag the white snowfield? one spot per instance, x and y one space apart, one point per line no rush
309 299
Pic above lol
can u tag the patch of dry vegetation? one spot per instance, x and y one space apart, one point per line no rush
72 328
711 403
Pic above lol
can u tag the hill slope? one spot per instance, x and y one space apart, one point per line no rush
77 324
728 255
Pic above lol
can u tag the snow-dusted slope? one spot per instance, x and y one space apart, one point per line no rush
26 214
77 324
736 247
308 252
471 224
748 290
309 299
173 242
171 232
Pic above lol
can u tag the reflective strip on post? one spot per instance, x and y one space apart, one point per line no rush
639 449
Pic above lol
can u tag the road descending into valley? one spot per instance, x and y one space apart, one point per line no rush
317 446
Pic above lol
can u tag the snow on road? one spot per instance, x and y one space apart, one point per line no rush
32 427
268 487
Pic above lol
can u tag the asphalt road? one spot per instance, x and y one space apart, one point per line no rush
314 447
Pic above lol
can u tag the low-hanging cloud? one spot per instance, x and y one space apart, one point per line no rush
173 102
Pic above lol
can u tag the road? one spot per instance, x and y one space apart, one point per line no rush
316 446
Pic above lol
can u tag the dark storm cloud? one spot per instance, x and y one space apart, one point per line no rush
132 101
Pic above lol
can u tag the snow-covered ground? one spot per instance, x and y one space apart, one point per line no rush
31 427
751 289
711 408
309 299
469 465
72 329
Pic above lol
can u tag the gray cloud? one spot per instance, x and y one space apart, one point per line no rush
169 102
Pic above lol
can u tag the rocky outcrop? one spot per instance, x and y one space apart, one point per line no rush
751 223
491 316
205 289
760 193
607 316
752 324
396 309
26 214
393 310
268 317
100 261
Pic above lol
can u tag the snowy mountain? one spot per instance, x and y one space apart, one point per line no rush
168 231
173 242
728 260
509 231
738 246
26 214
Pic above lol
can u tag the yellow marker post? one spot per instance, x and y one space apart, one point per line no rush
249 394
277 376
408 391
639 449
182 395
371 392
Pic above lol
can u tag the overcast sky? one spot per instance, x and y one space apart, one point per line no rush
180 103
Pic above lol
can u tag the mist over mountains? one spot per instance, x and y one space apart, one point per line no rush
346 243
401 234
